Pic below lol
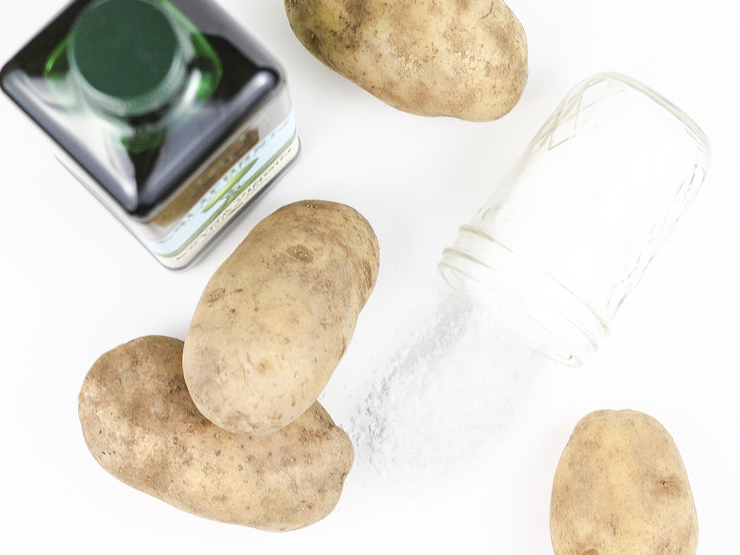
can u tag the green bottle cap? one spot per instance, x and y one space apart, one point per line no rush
126 56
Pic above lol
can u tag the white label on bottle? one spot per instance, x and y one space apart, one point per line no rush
227 196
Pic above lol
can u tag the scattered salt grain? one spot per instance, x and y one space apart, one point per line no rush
450 392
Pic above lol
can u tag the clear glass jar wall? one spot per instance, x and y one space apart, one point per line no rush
572 227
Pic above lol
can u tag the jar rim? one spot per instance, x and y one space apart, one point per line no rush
573 329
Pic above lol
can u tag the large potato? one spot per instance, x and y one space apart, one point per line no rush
621 489
460 58
141 426
277 316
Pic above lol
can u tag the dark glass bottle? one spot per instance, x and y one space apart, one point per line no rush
166 110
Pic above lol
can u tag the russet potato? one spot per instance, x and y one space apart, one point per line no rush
277 316
621 488
461 58
142 427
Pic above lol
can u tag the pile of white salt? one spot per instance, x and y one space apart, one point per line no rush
451 392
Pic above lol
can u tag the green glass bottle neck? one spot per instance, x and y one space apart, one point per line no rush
127 57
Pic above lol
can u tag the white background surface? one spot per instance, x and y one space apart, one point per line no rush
74 284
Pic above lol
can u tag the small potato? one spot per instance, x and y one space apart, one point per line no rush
460 58
278 315
142 427
621 489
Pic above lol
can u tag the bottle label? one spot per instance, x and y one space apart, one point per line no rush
250 174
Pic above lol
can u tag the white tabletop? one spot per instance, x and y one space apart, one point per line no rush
74 284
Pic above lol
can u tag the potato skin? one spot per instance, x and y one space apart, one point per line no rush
459 58
142 427
277 316
621 488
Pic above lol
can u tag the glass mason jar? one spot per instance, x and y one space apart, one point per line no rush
166 110
572 227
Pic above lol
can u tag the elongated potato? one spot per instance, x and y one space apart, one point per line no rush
277 316
460 58
621 488
142 427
